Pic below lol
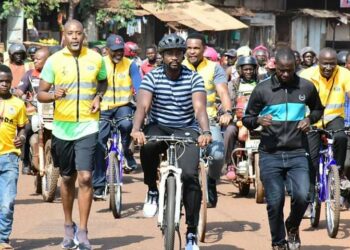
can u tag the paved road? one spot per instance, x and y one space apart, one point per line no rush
236 224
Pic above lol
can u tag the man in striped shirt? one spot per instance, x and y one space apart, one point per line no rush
175 99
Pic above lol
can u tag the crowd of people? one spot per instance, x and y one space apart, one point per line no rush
182 86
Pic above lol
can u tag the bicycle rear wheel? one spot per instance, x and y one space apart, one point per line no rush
315 210
333 201
259 188
169 212
114 184
202 223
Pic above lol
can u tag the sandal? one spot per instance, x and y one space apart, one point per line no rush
5 246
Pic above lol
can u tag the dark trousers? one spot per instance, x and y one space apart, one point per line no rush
188 162
99 173
279 171
230 137
26 146
339 148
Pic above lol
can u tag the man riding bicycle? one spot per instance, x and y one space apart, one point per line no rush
215 81
247 68
332 84
123 78
175 99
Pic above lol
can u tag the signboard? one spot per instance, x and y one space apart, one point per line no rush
15 27
344 3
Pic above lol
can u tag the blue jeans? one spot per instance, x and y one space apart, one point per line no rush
99 173
288 168
216 151
8 192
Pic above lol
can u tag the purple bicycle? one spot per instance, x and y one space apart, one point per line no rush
114 164
327 185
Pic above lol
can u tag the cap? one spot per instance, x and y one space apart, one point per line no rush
17 48
307 50
260 50
231 52
244 51
115 42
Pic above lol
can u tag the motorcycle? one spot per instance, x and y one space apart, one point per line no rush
46 175
245 156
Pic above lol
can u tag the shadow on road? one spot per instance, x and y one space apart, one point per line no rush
215 230
99 244
128 210
323 247
343 231
221 247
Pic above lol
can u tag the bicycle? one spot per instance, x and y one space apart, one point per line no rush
170 191
114 165
327 186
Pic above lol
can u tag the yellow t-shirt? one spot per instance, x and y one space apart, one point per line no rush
12 116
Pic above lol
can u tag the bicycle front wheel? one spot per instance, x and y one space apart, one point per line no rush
333 201
315 210
202 223
169 212
114 184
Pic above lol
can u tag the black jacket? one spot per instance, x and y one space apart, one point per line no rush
287 105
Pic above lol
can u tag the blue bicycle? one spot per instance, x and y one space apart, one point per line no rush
114 164
327 186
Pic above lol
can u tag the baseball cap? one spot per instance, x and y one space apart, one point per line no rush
16 48
231 52
115 42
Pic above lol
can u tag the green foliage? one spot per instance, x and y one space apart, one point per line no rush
85 8
121 17
31 8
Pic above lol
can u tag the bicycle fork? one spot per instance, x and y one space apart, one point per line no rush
164 173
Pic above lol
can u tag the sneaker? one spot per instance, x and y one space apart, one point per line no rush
99 193
69 241
280 247
191 242
293 238
5 246
344 183
26 169
150 207
231 172
130 165
307 214
83 242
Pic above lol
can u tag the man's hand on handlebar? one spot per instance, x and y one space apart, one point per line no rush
304 125
139 137
204 140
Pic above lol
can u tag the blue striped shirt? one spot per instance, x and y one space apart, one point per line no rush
347 111
172 99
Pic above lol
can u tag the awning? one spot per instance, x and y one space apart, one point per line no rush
343 17
137 12
237 11
195 14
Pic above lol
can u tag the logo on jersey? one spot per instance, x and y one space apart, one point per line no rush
302 98
11 110
90 68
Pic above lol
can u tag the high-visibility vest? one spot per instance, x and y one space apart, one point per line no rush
119 91
206 69
79 76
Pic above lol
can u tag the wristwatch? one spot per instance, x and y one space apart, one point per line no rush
206 132
228 112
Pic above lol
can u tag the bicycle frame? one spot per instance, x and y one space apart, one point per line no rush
115 146
326 160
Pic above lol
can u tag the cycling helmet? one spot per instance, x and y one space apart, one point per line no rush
16 48
211 54
171 41
32 50
246 60
130 49
341 57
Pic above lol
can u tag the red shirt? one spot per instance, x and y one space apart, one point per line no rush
146 67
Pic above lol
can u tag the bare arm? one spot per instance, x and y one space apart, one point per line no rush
20 139
223 93
144 102
199 100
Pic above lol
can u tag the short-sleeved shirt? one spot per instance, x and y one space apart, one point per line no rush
172 99
65 130
12 116
30 81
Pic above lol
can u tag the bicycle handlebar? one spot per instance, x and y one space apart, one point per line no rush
328 132
114 122
171 139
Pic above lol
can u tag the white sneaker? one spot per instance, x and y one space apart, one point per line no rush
150 207
191 242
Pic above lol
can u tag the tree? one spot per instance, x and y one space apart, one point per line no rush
31 8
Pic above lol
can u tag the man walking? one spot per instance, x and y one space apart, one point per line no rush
278 104
79 76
